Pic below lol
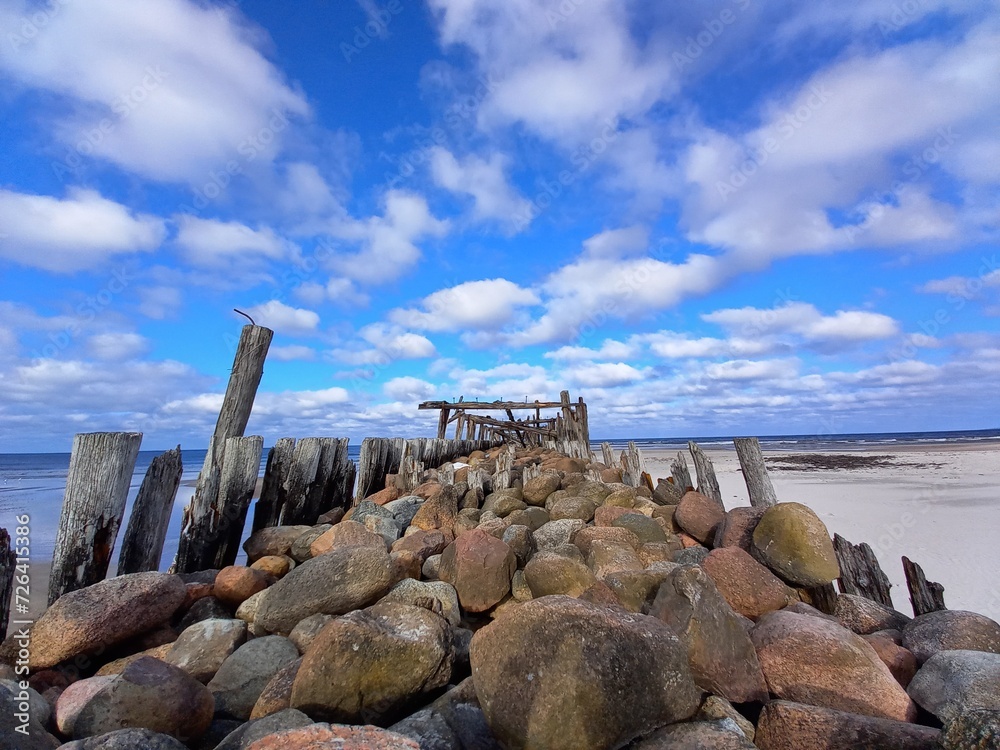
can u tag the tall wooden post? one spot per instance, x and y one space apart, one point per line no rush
708 483
248 367
8 565
142 545
758 481
679 471
443 424
267 511
100 473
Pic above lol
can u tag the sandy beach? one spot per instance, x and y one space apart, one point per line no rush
937 506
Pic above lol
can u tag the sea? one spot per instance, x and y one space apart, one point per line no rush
34 483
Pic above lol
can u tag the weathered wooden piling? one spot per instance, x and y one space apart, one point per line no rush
8 565
679 471
267 510
608 454
381 457
142 545
503 476
100 472
213 523
755 474
633 465
925 596
708 483
860 573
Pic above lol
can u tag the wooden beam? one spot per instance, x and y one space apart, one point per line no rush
489 405
142 545
443 425
708 484
100 473
755 474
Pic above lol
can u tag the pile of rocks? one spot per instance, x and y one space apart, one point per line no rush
562 612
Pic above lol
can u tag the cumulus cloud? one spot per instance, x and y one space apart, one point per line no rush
284 319
291 353
604 374
804 320
409 389
484 180
210 242
383 344
489 304
117 346
82 231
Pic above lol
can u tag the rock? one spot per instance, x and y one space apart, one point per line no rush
118 665
243 676
277 694
431 569
423 544
127 739
794 726
691 555
480 567
257 729
537 490
454 720
974 729
555 533
620 496
332 517
104 614
573 507
519 589
306 630
715 708
208 608
608 556
585 536
437 596
440 512
332 736
900 661
812 660
542 684
247 612
493 524
549 573
697 735
950 630
794 543
302 546
605 515
386 496
865 616
404 509
721 655
203 647
274 565
532 517
148 694
699 516
346 534
386 528
521 542
28 698
369 665
736 529
657 552
235 584
276 540
749 587
642 526
636 589
12 722
504 502
337 582
952 681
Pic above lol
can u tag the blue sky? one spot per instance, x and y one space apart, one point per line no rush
713 218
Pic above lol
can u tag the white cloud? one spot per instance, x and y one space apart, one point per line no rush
478 305
291 353
388 242
409 389
388 344
210 242
753 370
117 346
82 231
284 319
962 287
483 179
604 374
610 349
673 345
804 320
617 243
159 302
181 88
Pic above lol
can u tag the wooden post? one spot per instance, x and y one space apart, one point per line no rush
708 483
505 465
8 565
679 471
609 454
142 545
379 457
213 523
100 473
443 424
267 511
755 472
860 573
633 465
925 596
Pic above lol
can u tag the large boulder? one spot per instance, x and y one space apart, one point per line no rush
99 616
793 542
346 534
557 533
257 729
437 596
865 616
148 694
550 573
368 665
480 567
950 630
452 722
23 729
813 660
697 735
952 681
127 739
784 725
235 584
537 489
972 729
244 675
277 694
202 648
334 736
749 587
699 516
542 683
736 530
440 512
722 656
334 583
274 540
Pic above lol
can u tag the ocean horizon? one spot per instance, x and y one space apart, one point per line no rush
34 483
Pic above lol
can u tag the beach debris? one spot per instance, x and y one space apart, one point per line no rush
925 596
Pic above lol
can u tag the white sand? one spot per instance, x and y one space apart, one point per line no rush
946 519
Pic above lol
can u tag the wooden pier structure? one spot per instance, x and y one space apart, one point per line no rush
566 430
